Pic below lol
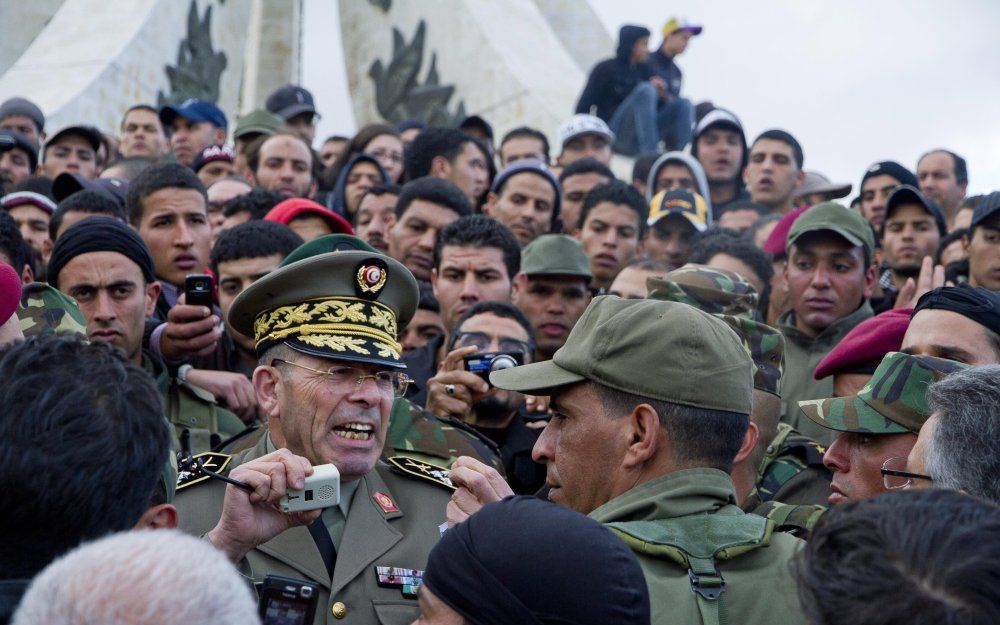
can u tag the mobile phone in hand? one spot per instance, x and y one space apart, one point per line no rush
199 290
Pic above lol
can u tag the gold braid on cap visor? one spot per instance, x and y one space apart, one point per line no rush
342 324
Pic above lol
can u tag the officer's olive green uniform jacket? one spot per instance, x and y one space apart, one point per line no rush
372 537
759 587
802 355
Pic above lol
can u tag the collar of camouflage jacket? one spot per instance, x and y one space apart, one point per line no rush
676 494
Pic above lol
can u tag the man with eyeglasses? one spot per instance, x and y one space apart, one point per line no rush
878 427
456 391
329 371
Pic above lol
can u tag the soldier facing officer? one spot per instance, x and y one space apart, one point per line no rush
651 403
325 331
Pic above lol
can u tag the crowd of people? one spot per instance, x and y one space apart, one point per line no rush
706 393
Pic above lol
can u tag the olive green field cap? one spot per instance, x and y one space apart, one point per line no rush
258 121
894 401
45 311
710 290
836 218
659 350
555 255
345 305
328 243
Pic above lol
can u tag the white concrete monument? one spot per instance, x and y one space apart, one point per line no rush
89 60
516 62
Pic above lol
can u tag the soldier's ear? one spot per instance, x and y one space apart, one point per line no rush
749 443
644 442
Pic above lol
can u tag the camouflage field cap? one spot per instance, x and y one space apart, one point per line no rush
555 255
715 291
46 311
655 349
767 350
893 402
345 305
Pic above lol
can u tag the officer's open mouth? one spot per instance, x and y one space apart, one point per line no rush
354 431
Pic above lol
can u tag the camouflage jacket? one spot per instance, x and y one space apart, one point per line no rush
792 470
797 520
416 433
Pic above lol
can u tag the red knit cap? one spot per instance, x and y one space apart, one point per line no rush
863 348
10 292
286 211
775 244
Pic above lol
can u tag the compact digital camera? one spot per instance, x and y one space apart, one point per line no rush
485 363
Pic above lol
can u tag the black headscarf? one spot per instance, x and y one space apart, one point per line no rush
979 304
524 561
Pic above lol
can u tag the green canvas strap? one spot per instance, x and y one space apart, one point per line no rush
696 543
708 586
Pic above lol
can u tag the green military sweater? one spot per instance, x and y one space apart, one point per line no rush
802 354
759 588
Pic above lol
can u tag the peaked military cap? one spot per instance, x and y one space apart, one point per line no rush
328 243
893 402
345 305
715 291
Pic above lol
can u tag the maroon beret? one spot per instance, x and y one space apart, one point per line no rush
775 244
10 292
863 348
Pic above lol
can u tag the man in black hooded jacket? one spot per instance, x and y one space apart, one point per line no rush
619 91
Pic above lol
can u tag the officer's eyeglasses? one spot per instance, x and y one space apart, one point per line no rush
386 381
895 475
482 342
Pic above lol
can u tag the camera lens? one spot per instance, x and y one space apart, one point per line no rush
200 286
502 361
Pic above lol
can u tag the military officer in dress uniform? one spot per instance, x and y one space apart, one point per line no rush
325 331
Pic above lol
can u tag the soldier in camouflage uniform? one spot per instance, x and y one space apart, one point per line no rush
878 424
45 311
785 466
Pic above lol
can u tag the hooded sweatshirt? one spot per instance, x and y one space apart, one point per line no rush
724 119
337 200
688 161
613 79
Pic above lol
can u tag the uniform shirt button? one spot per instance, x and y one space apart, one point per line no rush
339 610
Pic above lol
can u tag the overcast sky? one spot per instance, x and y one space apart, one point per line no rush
854 80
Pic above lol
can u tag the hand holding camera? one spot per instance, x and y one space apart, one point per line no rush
454 389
